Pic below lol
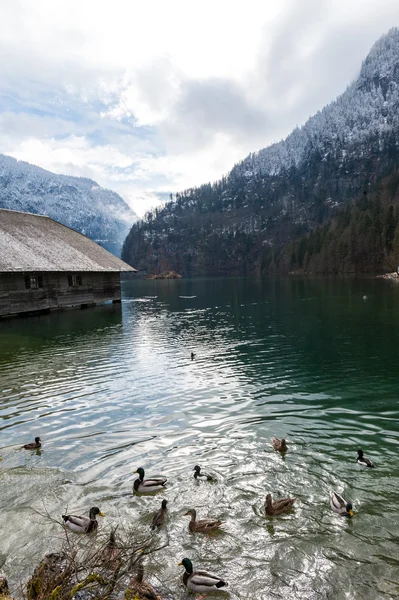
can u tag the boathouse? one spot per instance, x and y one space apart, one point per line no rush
45 265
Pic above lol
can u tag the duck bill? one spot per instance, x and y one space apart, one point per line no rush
100 514
351 513
180 564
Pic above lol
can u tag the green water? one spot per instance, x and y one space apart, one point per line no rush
113 388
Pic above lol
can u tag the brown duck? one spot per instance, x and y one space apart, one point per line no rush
203 525
279 445
110 556
160 515
277 507
142 589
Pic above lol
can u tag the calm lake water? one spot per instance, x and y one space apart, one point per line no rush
113 388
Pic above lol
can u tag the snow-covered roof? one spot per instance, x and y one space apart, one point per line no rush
36 243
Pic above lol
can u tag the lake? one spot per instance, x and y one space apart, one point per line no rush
113 388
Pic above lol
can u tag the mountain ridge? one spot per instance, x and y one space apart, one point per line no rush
282 192
78 202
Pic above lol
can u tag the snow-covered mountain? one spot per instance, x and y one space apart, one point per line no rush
368 108
77 202
273 197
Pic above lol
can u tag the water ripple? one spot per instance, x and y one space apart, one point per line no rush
110 391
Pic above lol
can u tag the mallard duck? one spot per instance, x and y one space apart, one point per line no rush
111 552
340 506
203 525
277 507
200 581
33 445
80 524
362 460
279 445
160 516
198 474
142 485
144 590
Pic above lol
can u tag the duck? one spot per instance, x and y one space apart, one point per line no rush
362 460
80 524
142 485
142 589
33 445
203 525
200 581
277 507
340 505
279 445
198 474
111 552
160 516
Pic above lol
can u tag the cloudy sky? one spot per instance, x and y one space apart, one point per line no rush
151 97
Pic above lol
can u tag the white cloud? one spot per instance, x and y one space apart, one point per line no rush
149 98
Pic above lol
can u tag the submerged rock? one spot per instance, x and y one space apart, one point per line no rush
46 577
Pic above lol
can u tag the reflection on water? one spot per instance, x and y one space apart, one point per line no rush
109 391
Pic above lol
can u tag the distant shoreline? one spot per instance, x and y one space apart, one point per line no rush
166 275
393 276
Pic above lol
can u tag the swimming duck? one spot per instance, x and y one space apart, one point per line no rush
365 462
198 474
200 581
279 445
144 590
80 524
142 485
277 507
340 506
160 516
203 525
33 445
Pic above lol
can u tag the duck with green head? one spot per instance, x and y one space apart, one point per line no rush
200 475
33 445
81 524
362 460
340 505
145 486
200 581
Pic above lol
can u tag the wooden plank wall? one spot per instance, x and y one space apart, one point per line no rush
56 291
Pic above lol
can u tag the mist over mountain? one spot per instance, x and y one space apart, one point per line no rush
77 202
252 220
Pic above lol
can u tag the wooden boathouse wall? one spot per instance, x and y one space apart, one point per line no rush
55 290
45 265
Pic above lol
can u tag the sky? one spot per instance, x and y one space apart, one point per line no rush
150 98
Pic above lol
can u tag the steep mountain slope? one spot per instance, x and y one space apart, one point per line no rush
274 196
80 203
